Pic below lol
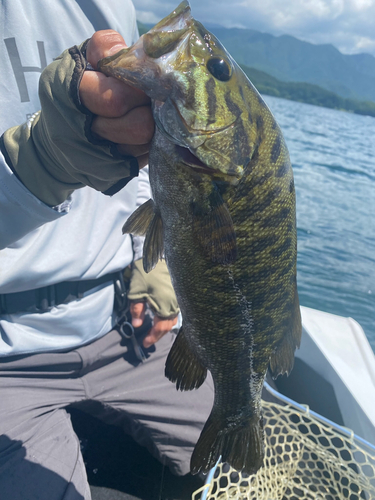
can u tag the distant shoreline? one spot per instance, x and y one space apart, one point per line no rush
306 92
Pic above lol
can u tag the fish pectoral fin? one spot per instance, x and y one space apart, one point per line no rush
146 220
241 445
140 219
183 366
282 360
153 248
215 231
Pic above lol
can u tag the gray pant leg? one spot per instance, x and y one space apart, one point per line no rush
39 447
168 422
40 456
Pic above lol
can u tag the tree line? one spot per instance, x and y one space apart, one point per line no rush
306 92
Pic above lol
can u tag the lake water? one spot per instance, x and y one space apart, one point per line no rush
333 158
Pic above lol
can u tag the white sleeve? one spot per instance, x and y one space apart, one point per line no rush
20 211
144 188
144 194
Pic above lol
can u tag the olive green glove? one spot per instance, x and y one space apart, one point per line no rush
55 153
155 288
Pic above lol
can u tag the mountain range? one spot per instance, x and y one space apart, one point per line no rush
289 59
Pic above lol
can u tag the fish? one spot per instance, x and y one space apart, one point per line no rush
223 216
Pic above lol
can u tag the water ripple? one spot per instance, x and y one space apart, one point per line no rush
333 157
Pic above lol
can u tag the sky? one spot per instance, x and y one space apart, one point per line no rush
349 25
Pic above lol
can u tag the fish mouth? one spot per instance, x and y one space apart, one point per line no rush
187 129
187 157
191 161
186 139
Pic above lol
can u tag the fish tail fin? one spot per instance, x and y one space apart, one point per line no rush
241 446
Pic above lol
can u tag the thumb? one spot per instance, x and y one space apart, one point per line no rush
103 44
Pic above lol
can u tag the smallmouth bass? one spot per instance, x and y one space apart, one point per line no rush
223 213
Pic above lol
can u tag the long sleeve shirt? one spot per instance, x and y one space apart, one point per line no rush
80 239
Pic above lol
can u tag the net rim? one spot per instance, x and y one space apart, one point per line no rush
345 431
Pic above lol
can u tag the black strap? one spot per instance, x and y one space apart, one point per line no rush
43 299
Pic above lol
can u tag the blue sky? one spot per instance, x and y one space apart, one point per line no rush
347 24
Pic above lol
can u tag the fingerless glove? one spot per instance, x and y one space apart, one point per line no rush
155 288
55 152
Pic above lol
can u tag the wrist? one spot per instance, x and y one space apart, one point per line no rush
27 158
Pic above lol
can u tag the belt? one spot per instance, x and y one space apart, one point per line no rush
41 300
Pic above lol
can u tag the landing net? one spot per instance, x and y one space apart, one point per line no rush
306 456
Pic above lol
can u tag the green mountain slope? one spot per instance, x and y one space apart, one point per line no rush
306 92
143 28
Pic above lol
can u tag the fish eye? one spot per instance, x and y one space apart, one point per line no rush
219 68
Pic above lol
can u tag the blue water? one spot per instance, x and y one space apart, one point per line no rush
333 158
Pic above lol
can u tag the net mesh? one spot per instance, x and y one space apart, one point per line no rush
304 458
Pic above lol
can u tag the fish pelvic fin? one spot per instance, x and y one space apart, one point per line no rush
241 446
140 219
183 366
215 231
282 360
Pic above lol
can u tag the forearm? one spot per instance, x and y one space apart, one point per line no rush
56 152
83 136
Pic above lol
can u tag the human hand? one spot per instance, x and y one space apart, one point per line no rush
57 153
160 326
154 289
123 113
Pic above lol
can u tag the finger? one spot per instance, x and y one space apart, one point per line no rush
160 328
107 96
103 44
137 311
136 127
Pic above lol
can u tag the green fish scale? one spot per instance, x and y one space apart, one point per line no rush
222 327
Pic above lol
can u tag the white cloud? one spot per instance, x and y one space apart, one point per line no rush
364 43
347 24
146 16
361 4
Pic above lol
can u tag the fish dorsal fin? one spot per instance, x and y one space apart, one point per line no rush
183 366
146 221
153 248
140 220
213 228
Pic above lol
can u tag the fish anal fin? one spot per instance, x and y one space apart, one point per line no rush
183 366
153 248
241 446
140 219
214 230
282 360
